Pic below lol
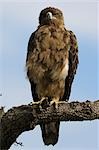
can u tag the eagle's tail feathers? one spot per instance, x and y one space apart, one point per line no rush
50 132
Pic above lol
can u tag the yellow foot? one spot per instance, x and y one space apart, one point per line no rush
43 98
40 102
55 101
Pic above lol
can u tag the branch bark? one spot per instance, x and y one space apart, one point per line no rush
26 117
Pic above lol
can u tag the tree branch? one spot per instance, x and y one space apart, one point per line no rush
26 117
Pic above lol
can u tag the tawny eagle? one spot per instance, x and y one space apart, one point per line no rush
51 64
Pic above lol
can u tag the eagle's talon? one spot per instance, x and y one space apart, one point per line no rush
55 103
44 103
41 104
36 105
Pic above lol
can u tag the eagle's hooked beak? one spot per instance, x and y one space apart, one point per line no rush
49 16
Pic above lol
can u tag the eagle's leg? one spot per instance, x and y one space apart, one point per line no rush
42 103
36 104
55 101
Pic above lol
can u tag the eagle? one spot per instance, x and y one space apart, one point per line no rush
51 64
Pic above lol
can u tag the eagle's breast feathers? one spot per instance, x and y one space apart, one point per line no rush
48 62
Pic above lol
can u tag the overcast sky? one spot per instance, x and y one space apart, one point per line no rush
18 19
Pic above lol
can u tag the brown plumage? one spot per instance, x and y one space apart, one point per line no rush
51 64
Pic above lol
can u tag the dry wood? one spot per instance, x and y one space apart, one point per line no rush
26 117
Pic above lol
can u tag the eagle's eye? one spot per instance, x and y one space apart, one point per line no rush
49 15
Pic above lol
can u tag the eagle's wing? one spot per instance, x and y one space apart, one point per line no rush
73 63
50 131
30 48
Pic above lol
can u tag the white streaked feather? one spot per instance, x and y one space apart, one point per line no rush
64 71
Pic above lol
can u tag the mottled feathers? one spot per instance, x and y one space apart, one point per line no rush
51 63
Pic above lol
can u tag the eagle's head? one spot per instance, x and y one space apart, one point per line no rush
50 16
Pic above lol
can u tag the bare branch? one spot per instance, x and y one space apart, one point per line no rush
26 117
